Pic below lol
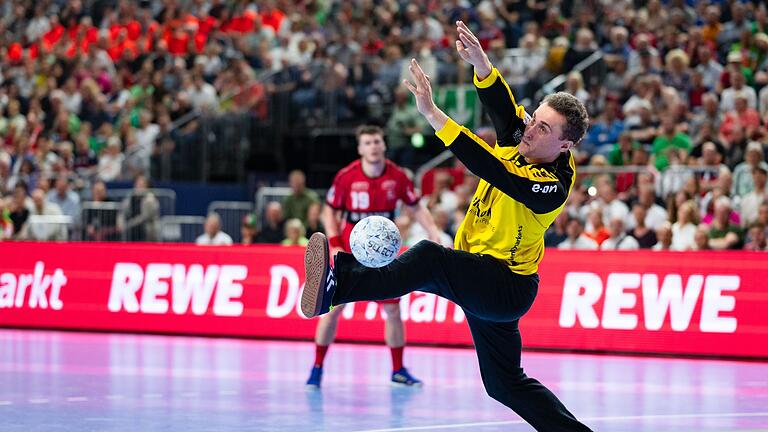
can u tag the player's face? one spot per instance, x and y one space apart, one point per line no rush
542 141
371 148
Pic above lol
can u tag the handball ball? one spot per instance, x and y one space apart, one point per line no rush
375 241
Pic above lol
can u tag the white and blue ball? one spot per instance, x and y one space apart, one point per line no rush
375 241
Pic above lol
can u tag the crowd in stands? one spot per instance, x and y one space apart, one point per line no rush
93 91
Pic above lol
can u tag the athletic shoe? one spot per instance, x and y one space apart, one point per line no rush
320 281
402 377
315 377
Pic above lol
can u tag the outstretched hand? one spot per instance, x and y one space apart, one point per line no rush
469 49
422 90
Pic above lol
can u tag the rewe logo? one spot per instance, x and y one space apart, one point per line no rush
13 288
582 292
194 286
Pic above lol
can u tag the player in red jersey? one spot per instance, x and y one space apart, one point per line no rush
371 185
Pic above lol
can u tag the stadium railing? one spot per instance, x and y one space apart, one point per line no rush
181 229
231 214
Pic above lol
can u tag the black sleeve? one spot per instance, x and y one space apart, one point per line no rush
541 189
507 116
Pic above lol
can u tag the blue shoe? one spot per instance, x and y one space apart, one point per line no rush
320 281
402 377
315 377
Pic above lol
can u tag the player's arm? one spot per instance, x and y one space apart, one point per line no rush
507 116
330 218
537 189
332 213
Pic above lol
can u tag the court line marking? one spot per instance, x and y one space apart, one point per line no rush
39 401
2 403
587 419
77 399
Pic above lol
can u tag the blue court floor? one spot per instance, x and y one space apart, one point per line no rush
57 381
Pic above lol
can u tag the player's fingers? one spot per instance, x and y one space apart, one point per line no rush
409 86
418 74
469 35
465 40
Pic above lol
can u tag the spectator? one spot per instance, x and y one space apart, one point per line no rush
669 140
19 208
67 201
645 236
404 122
677 74
273 230
723 234
619 240
701 238
596 227
6 224
213 235
664 237
713 168
576 238
656 215
314 223
710 115
45 223
141 211
608 202
100 221
738 87
525 69
583 47
708 66
757 239
297 203
295 233
111 161
623 151
248 229
751 201
741 117
684 229
442 196
743 174
558 232
605 132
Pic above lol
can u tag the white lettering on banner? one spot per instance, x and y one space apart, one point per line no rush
155 286
715 302
671 296
582 292
580 305
13 289
275 308
617 299
284 298
195 285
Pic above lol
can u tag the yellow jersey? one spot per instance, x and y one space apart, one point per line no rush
515 202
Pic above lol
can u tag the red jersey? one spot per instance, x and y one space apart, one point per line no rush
359 196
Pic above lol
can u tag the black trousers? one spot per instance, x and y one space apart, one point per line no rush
493 299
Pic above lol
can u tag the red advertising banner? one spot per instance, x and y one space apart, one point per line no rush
704 303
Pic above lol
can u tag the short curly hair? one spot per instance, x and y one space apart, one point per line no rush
575 113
